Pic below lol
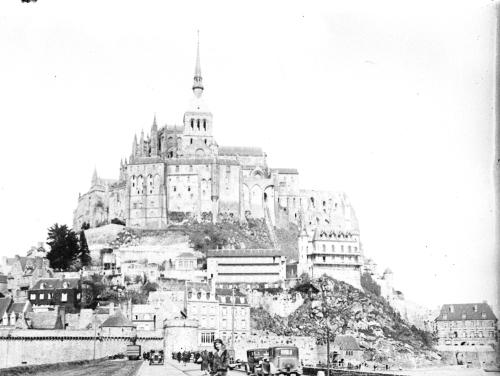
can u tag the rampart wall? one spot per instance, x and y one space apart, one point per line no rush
28 347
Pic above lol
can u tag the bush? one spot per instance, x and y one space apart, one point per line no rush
117 221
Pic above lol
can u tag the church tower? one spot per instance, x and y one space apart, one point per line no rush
197 138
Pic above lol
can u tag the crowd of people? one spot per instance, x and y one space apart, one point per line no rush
211 362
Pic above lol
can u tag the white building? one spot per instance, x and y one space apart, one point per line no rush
336 253
246 266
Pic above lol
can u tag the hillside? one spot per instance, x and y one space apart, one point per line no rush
200 235
380 330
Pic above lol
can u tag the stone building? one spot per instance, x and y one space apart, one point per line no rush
234 316
61 292
472 324
246 266
331 250
179 170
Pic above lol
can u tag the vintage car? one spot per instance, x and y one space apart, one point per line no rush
281 361
156 357
253 366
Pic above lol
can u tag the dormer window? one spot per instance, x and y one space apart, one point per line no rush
483 315
198 295
42 285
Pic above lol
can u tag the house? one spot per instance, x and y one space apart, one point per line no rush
246 266
11 311
23 272
145 317
234 314
118 325
471 324
345 350
65 292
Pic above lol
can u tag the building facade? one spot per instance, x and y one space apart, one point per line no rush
331 250
179 170
246 266
472 324
61 292
234 315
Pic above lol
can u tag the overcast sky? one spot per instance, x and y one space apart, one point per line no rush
389 101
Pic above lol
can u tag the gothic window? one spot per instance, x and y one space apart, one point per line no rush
198 124
191 141
189 189
204 124
205 141
175 189
192 123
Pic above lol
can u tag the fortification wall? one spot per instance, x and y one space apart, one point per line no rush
26 347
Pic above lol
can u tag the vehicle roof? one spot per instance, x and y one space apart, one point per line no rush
283 347
260 348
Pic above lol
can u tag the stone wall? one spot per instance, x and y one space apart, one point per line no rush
27 347
276 304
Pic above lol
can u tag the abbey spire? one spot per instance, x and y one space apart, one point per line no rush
198 80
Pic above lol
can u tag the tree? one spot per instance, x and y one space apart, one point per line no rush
84 255
64 249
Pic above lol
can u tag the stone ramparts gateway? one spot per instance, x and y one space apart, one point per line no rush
28 347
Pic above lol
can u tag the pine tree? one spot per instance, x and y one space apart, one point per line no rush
64 247
84 255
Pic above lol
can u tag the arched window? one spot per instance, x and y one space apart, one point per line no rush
198 124
204 124
192 123
191 141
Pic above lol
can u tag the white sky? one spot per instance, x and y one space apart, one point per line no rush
389 101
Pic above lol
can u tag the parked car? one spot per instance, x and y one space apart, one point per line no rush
282 360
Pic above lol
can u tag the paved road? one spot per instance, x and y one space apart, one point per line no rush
173 368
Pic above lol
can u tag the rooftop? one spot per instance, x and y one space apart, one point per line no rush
468 311
56 283
244 253
345 343
241 150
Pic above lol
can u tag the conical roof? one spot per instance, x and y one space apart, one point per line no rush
117 320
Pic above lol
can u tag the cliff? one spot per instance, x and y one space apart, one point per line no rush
381 332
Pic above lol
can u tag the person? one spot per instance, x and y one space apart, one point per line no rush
179 356
220 361
204 362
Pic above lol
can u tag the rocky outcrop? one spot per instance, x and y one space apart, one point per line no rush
380 331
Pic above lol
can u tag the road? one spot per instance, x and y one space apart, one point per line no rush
173 368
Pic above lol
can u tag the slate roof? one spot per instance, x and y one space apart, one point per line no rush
228 292
4 305
187 254
16 308
244 252
346 343
56 283
469 311
292 171
241 150
118 320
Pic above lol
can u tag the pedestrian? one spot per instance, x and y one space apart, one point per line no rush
179 356
204 362
221 359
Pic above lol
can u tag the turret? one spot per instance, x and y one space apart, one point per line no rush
154 138
141 144
134 147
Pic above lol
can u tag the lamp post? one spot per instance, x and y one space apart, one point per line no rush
324 286
232 318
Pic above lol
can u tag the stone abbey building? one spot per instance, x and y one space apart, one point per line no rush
179 171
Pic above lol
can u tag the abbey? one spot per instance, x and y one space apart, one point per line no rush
179 171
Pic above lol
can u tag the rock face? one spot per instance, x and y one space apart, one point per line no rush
380 331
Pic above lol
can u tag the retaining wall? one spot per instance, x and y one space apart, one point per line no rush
28 347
